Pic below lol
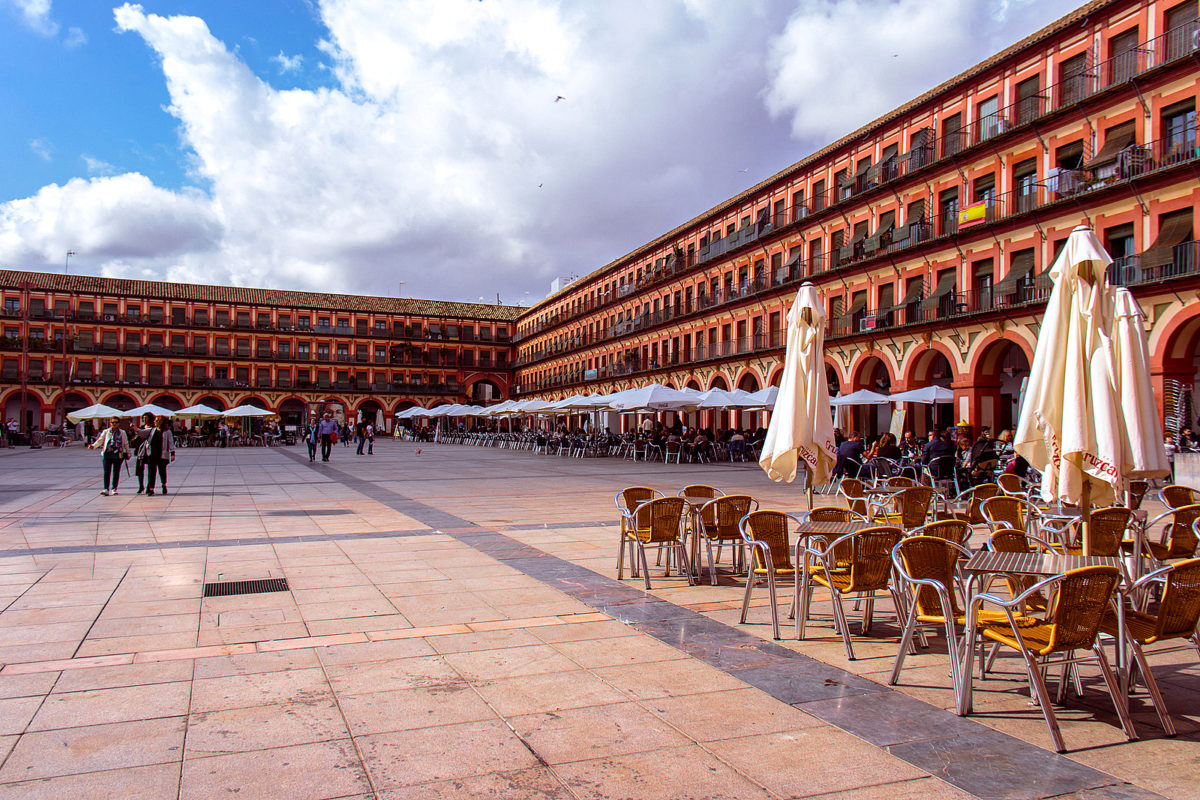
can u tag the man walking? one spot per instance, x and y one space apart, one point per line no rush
311 436
360 433
327 428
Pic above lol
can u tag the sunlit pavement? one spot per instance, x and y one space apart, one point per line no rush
453 627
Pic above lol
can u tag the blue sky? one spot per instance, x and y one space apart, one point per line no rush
355 145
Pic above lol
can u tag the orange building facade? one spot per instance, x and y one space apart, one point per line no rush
929 232
71 341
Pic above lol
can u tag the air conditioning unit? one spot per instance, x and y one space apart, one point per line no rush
868 323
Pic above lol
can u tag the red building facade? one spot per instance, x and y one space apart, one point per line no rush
71 341
929 232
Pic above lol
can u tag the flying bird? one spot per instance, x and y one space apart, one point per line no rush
560 97
743 170
539 185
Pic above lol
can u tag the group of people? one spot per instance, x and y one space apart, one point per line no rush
948 454
151 444
326 431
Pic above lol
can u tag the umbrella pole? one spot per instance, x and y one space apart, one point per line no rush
808 489
1085 509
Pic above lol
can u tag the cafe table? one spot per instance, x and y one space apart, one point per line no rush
986 563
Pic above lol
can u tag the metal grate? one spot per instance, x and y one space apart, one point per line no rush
245 587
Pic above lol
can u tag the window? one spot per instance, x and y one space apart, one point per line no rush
284 349
1169 253
952 140
818 195
989 117
343 322
1178 128
323 322
343 352
1118 241
322 352
304 323
243 319
1123 56
200 316
984 189
1072 82
264 320
1029 99
302 351
222 318
222 347
1181 29
948 210
221 373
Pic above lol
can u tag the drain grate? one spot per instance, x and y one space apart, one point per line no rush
230 588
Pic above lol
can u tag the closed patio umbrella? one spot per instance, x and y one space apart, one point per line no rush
1144 454
801 428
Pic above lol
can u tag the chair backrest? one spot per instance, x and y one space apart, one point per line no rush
913 504
700 490
1009 512
632 497
951 530
1179 611
770 528
831 514
724 514
1083 596
931 558
1010 483
1181 533
1108 528
1177 495
852 490
871 557
665 514
900 482
978 494
1010 540
1137 492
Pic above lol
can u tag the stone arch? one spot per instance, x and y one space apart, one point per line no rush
748 381
292 411
483 390
168 400
996 376
254 400
212 401
122 401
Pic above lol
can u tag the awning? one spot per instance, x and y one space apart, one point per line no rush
797 256
889 153
921 139
861 230
1173 230
1115 140
857 305
887 220
864 164
945 286
1022 265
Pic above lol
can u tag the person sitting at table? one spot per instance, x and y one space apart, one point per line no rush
737 446
886 447
939 455
849 457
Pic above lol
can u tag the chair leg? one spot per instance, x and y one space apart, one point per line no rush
621 557
774 601
750 581
712 569
683 560
905 642
805 599
839 616
1038 689
1164 716
641 546
1114 691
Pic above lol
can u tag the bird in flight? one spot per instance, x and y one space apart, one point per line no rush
539 185
560 97
743 170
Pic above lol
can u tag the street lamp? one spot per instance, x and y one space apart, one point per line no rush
67 265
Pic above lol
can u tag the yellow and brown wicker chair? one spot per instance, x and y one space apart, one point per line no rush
952 530
908 508
1137 493
1176 620
768 536
1010 540
1176 496
868 574
899 482
1108 529
1178 537
627 500
1013 485
1006 511
658 523
1071 623
851 489
719 525
968 506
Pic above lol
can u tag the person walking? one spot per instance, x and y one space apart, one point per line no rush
311 436
160 452
360 435
113 445
138 444
369 434
327 429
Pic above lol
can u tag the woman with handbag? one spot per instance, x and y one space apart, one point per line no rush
137 442
160 450
113 445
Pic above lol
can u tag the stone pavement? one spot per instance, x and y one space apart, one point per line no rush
453 627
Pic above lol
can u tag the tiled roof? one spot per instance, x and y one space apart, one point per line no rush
318 301
1073 18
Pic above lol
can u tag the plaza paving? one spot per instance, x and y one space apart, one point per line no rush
453 628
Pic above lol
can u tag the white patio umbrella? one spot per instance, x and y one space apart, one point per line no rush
654 397
499 409
199 411
716 398
248 410
764 398
97 411
149 408
863 397
801 428
927 395
1144 454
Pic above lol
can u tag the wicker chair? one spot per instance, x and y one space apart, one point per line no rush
899 482
910 507
869 573
1109 526
1176 496
927 566
1137 492
663 528
627 500
1013 485
856 499
1006 511
1010 540
697 491
1179 538
952 530
1176 620
767 534
1071 623
972 500
719 520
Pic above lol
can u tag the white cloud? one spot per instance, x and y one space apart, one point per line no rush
42 148
839 65
75 38
422 163
96 166
36 15
288 63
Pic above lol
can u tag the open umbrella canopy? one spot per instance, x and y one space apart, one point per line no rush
531 406
716 398
1070 426
927 394
149 408
97 411
499 409
764 398
863 397
415 411
248 410
654 397
199 411
801 426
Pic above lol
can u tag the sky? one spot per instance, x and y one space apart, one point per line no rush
449 149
